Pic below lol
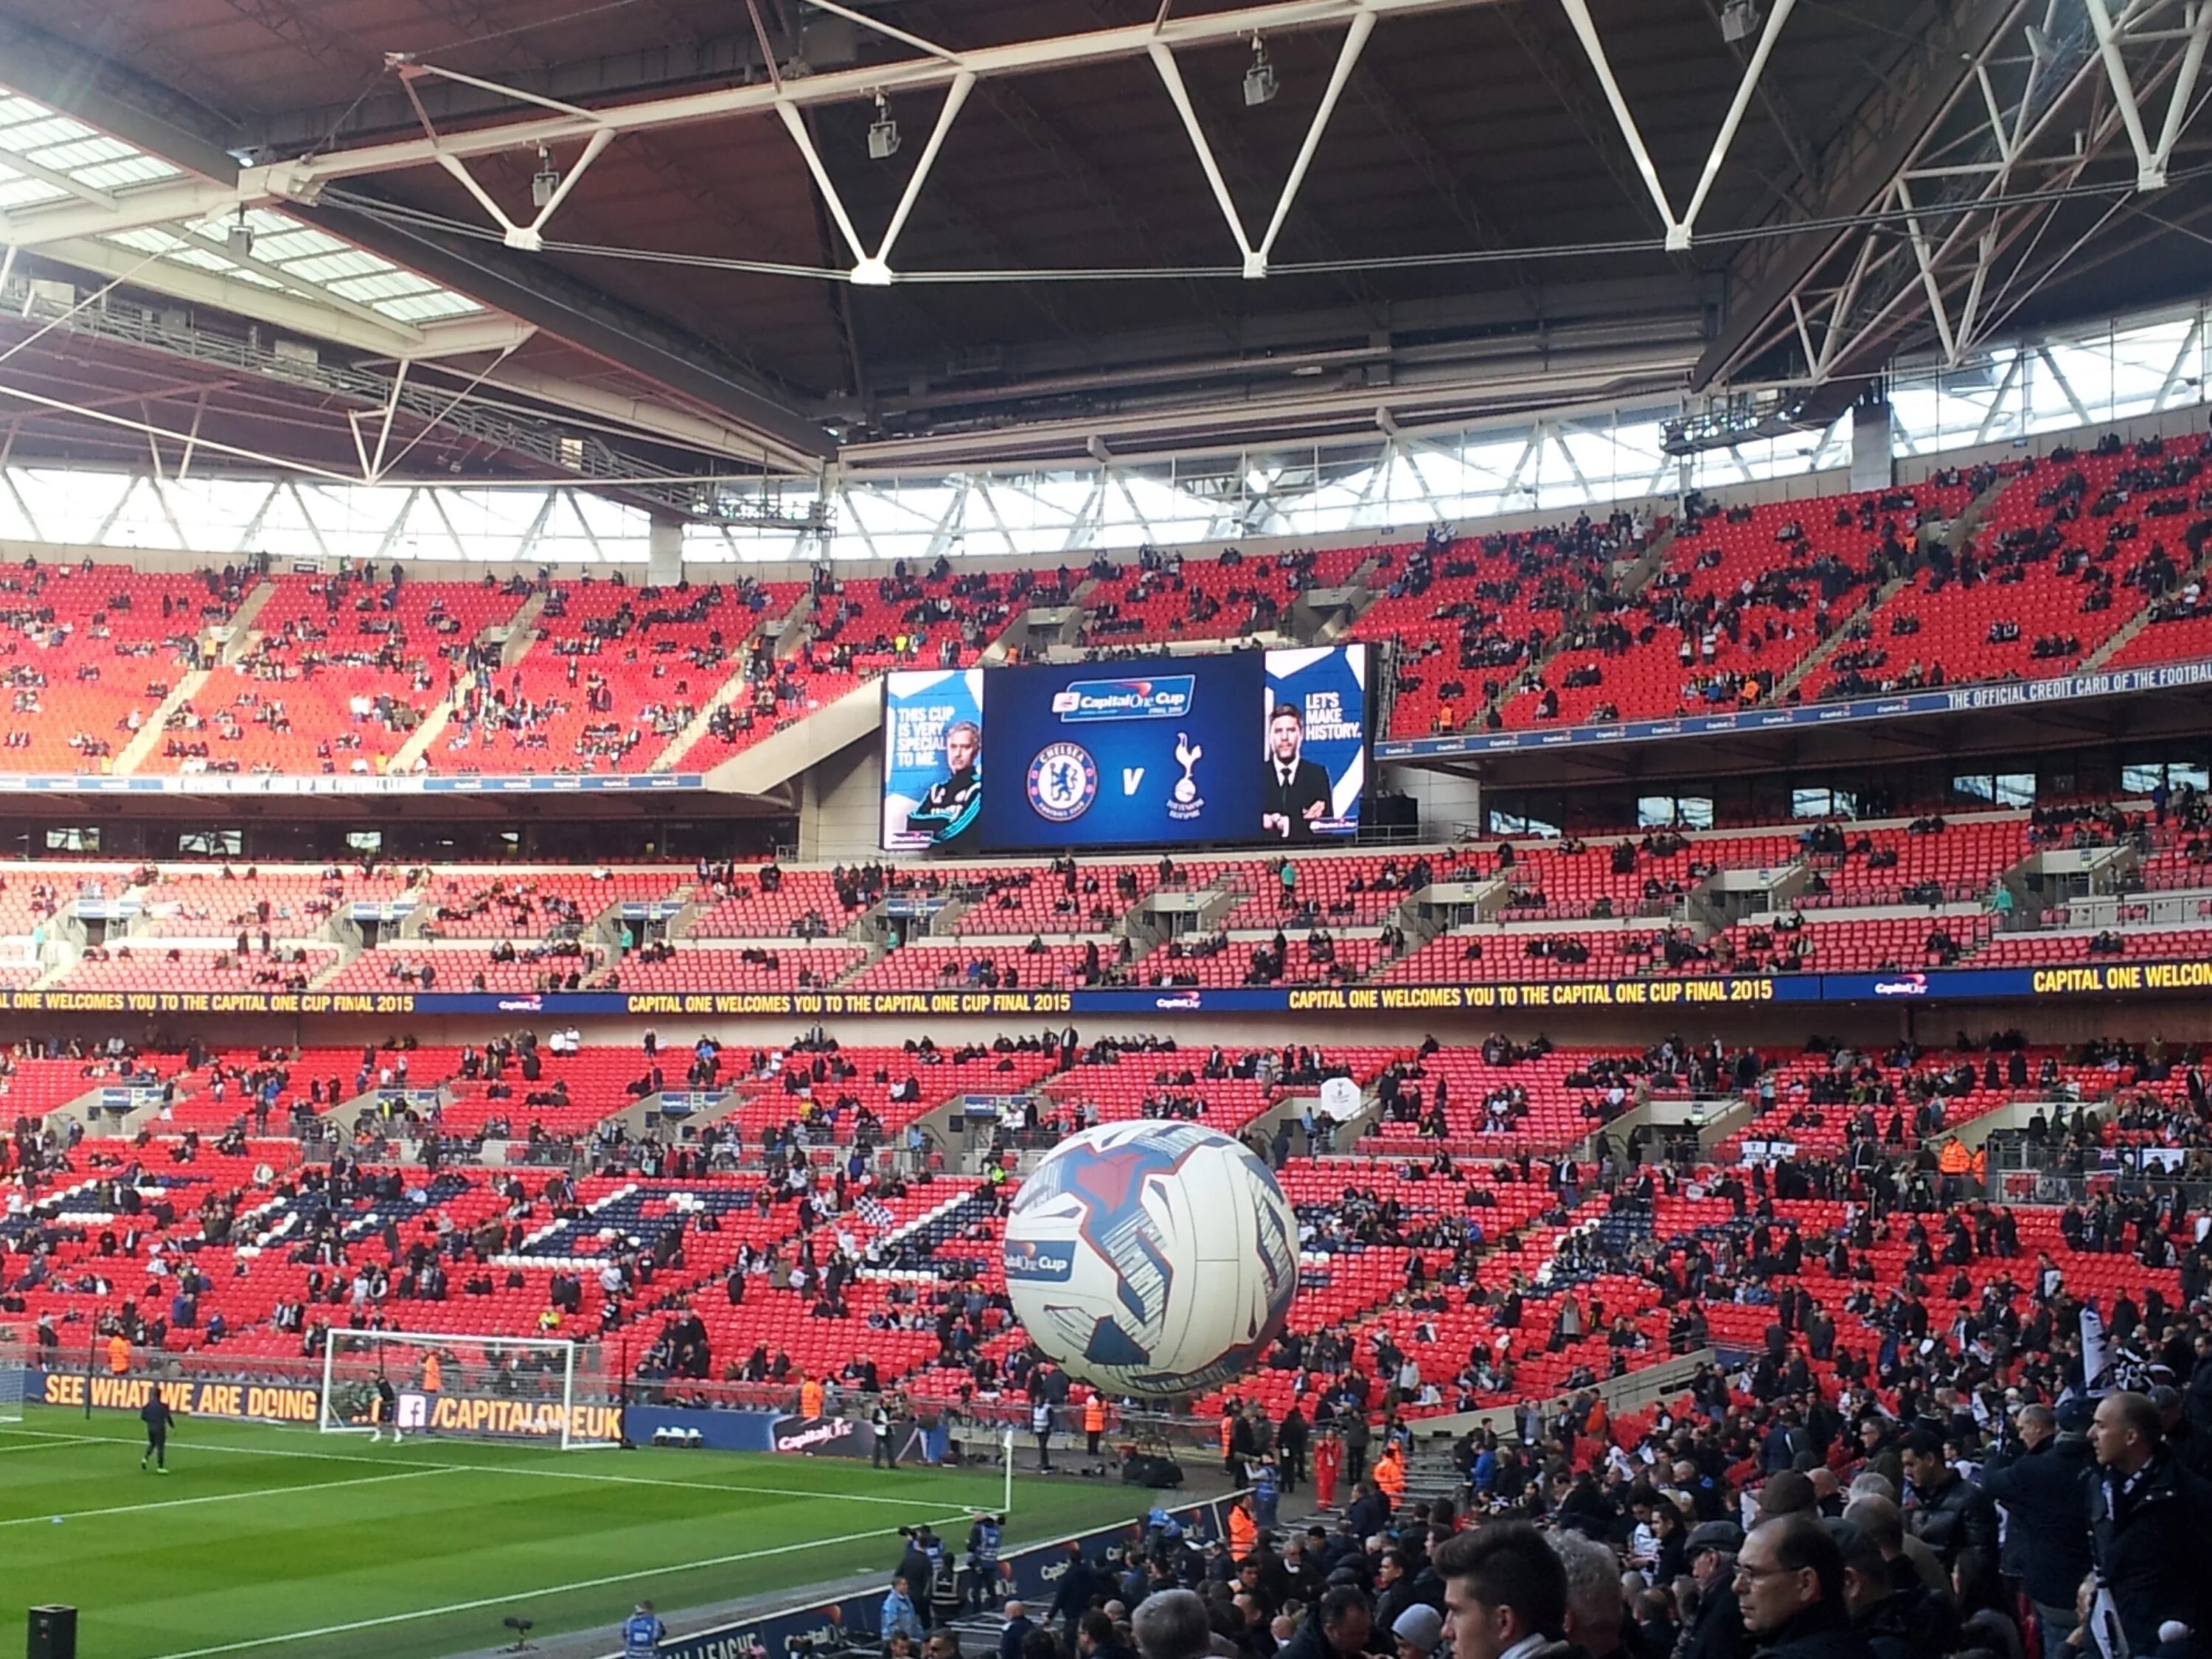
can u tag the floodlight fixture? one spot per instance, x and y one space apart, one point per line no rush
1260 85
883 132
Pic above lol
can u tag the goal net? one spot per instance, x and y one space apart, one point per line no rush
15 1377
546 1391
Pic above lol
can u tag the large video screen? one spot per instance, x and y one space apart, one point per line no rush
1245 747
932 759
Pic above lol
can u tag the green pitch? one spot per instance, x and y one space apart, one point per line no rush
268 1541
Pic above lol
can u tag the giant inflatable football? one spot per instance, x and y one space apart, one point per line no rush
1152 1258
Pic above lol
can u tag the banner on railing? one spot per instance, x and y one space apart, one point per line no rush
1662 991
341 783
1951 700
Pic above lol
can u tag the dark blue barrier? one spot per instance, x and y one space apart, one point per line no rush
1029 1573
1663 992
1950 700
738 1431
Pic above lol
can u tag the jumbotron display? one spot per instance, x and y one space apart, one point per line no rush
1267 747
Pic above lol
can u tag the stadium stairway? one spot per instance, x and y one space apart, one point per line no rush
2195 571
218 642
1960 532
513 637
734 688
133 754
237 636
1630 577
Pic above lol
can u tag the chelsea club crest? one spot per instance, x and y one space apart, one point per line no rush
1063 781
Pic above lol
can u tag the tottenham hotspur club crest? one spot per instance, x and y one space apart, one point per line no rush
1184 803
1063 781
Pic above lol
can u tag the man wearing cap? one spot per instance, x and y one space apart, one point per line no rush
1789 1581
1956 1519
1718 1630
2043 1485
1417 1630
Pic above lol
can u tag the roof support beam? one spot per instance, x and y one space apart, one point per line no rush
1863 166
2150 161
1171 76
24 167
1679 231
358 327
534 293
872 270
303 179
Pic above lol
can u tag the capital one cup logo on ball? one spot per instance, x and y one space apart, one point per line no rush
1152 1258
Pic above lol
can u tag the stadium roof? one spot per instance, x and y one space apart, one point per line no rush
645 242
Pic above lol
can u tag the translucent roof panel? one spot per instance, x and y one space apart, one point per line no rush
47 158
57 151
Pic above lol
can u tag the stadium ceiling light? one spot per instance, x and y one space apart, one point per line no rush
238 238
883 132
1260 85
546 180
1739 20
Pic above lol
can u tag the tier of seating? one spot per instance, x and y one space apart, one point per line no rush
1744 597
614 675
2063 554
992 967
86 657
259 1252
340 672
1844 898
2040 950
540 904
778 968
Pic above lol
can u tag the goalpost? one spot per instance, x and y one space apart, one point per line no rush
14 1378
546 1391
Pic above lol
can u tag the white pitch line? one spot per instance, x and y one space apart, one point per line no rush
211 1498
489 1468
553 1589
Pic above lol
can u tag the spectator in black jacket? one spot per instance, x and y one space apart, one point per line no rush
1956 1518
2044 1486
1079 1586
1338 1627
1900 1616
2148 1520
1790 1580
1718 1630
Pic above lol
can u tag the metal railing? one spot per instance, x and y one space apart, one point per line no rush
2166 909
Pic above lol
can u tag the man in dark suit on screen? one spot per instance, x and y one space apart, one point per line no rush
1295 793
